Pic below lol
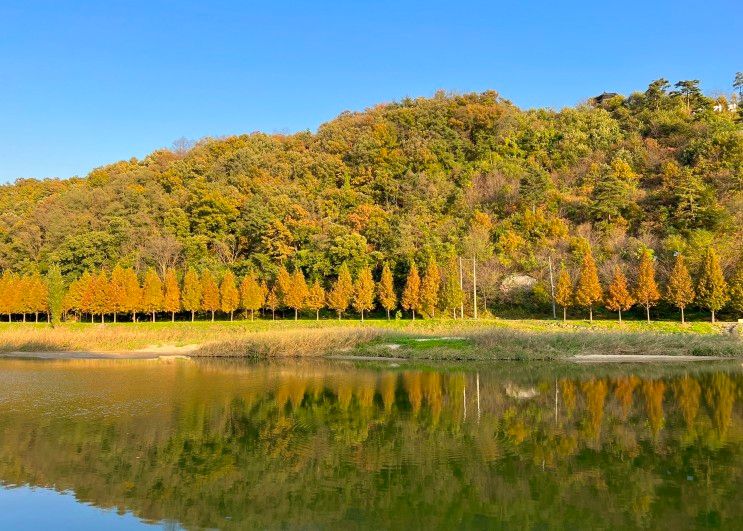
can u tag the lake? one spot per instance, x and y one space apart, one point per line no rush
124 444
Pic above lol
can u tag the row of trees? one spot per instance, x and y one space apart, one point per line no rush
438 289
711 290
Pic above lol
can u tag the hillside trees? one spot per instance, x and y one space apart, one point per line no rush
646 291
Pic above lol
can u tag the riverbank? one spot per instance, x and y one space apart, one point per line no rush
486 339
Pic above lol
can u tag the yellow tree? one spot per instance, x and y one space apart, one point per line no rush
588 290
411 299
229 294
282 285
209 293
386 291
252 296
39 295
73 300
363 292
316 298
618 298
88 281
152 293
172 298
296 292
133 293
452 294
117 290
564 291
7 283
191 294
429 291
736 289
646 291
712 289
24 299
340 296
680 289
272 302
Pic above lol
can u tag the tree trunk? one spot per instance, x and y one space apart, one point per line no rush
172 317
474 287
620 316
252 314
647 311
153 317
92 318
317 314
231 315
362 316
682 316
388 314
295 314
564 313
713 315
114 317
212 316
24 318
413 314
134 317
193 315
590 313
273 315
36 316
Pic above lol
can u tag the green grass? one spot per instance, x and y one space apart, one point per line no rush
484 339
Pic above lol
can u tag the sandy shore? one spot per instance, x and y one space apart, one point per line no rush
148 353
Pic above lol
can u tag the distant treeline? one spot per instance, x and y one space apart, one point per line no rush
439 291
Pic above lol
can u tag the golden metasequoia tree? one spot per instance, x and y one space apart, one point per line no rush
712 289
363 292
618 297
229 296
191 293
452 295
133 293
680 288
252 297
429 291
386 291
209 293
316 298
588 291
646 291
736 289
272 301
152 293
411 298
283 284
117 290
99 295
564 291
340 295
296 292
172 296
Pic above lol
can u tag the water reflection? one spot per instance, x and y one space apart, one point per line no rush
307 444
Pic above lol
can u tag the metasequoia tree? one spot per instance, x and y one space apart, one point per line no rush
712 289
411 299
117 290
252 297
363 292
172 296
55 294
736 289
191 294
133 293
272 302
386 291
564 291
646 291
316 298
588 290
429 291
680 289
340 295
209 293
452 294
296 292
618 297
230 297
152 293
282 286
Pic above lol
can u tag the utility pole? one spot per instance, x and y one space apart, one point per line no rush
474 287
461 287
552 289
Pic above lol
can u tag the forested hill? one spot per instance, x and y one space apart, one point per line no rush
441 176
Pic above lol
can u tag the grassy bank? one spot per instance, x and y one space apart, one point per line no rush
422 339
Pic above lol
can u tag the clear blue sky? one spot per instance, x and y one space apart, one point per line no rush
87 83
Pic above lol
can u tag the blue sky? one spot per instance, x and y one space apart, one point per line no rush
87 83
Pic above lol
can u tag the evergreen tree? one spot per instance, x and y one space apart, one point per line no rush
680 289
712 289
132 293
736 289
209 293
296 292
316 298
646 291
251 294
340 296
363 292
452 294
229 294
588 290
386 291
191 294
429 291
411 299
272 302
117 290
618 297
56 294
564 291
172 297
152 293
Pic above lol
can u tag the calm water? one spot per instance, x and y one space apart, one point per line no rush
127 444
